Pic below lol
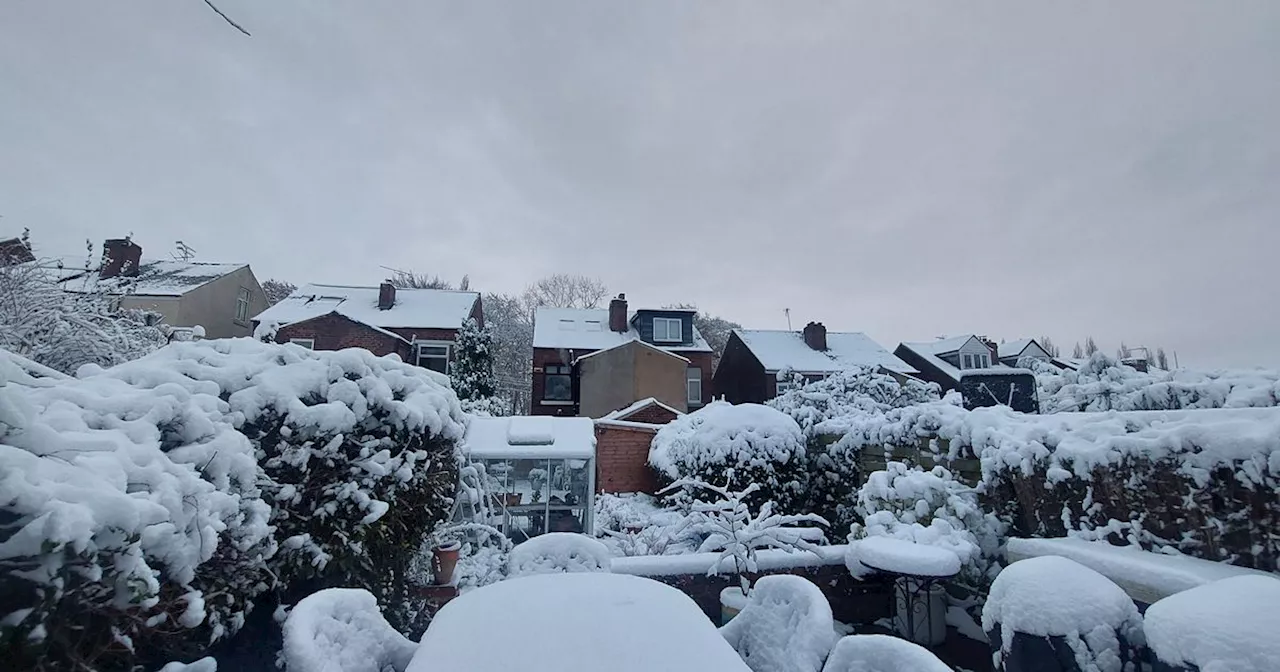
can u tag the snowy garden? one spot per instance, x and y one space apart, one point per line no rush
345 512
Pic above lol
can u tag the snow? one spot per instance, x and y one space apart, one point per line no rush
530 437
931 352
1101 383
342 630
203 665
558 552
1053 596
636 343
588 329
881 653
785 627
722 434
1225 626
904 557
1013 348
1145 576
413 308
697 563
997 370
779 350
624 413
18 369
156 277
574 623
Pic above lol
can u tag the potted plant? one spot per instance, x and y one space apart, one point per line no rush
444 559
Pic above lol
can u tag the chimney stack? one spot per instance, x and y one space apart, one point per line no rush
120 257
995 349
618 314
815 336
386 295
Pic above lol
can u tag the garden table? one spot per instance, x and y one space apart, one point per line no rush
916 569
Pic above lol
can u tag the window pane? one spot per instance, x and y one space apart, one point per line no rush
966 362
558 387
694 379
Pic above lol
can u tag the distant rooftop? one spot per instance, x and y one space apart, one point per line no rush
413 309
778 350
588 329
156 277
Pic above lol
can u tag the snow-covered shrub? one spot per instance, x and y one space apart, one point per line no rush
472 371
786 626
726 525
881 653
177 487
558 552
746 443
853 392
633 524
342 630
1104 384
65 330
930 508
1060 599
1228 624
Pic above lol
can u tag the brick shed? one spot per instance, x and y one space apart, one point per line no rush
622 446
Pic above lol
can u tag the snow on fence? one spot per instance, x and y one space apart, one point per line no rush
1205 482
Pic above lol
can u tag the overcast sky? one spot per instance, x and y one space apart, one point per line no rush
906 169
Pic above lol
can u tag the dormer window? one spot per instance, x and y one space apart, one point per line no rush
667 330
979 361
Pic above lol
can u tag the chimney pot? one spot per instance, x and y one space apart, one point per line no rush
120 257
386 295
618 314
815 336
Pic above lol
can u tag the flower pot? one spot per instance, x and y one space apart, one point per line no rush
732 601
444 558
514 498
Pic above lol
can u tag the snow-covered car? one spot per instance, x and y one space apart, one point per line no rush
583 622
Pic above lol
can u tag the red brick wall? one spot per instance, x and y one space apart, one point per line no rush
555 357
449 335
335 332
702 360
654 414
622 460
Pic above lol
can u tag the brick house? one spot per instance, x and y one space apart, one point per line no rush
748 371
588 362
420 325
943 361
623 438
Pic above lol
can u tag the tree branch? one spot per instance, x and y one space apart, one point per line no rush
226 18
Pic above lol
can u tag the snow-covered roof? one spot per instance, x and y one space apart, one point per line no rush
588 329
638 342
413 309
156 277
530 437
932 351
778 350
1013 348
572 623
624 413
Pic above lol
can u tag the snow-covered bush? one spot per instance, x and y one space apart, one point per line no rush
786 626
748 443
930 508
1228 624
472 371
342 630
1104 384
633 524
881 653
726 525
853 392
65 330
177 487
558 552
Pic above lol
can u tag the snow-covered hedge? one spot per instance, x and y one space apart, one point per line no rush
1103 384
743 444
1205 482
150 503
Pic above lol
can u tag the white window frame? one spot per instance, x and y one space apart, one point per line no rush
448 354
666 333
308 343
242 304
693 392
781 387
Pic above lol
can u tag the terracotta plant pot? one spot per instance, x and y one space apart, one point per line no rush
444 558
514 498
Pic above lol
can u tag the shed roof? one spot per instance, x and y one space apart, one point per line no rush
530 437
778 350
413 309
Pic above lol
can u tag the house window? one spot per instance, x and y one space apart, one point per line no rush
557 383
693 380
667 330
783 387
434 356
975 361
242 305
308 343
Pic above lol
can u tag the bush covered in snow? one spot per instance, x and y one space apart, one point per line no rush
342 630
1104 384
747 443
930 508
177 487
852 392
786 626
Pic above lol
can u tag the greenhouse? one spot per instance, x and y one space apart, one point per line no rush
538 473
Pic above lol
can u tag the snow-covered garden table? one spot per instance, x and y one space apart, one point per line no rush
917 569
574 623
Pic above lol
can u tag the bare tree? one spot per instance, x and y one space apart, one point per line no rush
1050 347
1162 360
1090 346
415 280
276 290
714 329
1077 352
563 290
